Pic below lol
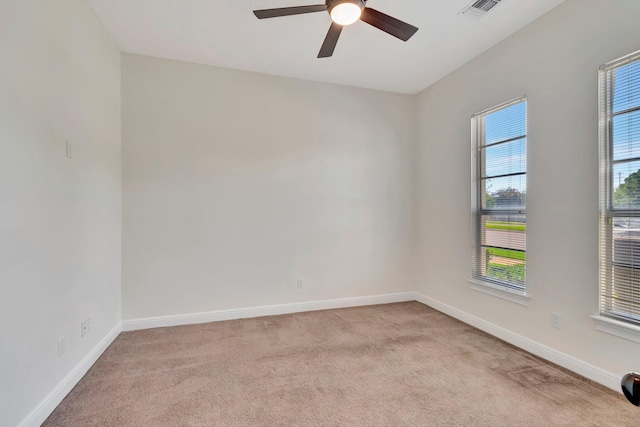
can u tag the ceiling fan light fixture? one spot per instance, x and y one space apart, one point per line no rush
346 12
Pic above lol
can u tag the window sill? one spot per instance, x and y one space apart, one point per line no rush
617 328
497 291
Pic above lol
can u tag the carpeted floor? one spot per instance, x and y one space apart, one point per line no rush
387 365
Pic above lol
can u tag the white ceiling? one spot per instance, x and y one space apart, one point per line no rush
225 33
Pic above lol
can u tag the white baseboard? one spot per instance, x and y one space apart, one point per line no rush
53 399
270 310
554 356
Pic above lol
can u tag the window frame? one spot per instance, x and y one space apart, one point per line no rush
607 321
511 291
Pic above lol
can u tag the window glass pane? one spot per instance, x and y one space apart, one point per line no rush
507 192
624 295
504 269
626 87
503 242
508 123
626 185
504 231
626 242
502 159
626 135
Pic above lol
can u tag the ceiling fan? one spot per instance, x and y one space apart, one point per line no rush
344 12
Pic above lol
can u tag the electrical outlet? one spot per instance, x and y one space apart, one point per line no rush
556 320
299 282
84 328
60 346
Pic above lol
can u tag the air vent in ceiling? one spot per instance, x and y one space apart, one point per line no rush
479 7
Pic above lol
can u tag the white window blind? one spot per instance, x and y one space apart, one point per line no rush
499 140
620 189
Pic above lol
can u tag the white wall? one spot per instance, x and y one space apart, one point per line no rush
554 61
235 184
60 221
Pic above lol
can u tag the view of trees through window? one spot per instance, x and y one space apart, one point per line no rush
627 193
506 197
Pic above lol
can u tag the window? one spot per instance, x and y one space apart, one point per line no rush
620 190
499 138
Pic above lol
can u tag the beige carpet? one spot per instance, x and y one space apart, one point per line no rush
387 365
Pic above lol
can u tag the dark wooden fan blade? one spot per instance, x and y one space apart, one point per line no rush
330 41
286 11
388 24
